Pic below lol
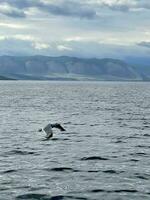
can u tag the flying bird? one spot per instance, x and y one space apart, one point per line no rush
48 129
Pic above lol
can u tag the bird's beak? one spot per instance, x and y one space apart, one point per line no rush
40 130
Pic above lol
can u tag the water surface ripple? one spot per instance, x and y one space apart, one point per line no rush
104 154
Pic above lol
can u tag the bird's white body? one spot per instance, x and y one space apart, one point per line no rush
48 130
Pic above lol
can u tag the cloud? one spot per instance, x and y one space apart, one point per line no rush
10 11
12 46
118 5
144 44
55 7
39 46
64 48
29 45
2 37
12 25
24 39
121 5
71 8
88 9
75 39
74 27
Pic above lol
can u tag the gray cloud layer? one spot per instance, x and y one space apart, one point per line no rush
111 28
15 13
75 8
144 44
60 7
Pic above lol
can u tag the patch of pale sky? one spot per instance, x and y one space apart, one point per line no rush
12 25
64 48
40 46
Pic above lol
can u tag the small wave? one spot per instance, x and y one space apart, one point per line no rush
67 123
97 191
142 146
33 196
79 140
81 124
69 133
19 152
88 135
75 114
112 109
39 197
146 126
59 139
94 158
133 160
65 139
133 137
136 127
138 154
9 171
146 135
119 141
114 191
141 153
46 197
111 171
62 169
74 197
94 124
93 171
127 190
142 176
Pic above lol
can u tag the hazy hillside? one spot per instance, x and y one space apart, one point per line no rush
67 68
5 78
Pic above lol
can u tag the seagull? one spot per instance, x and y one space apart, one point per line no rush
48 129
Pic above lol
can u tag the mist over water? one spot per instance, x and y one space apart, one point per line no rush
104 154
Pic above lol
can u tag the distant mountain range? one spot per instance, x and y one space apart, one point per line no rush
5 78
70 68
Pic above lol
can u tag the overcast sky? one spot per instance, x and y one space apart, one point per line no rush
84 28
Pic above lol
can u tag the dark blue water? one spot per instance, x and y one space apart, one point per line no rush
103 155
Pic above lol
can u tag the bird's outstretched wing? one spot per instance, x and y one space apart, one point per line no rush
58 126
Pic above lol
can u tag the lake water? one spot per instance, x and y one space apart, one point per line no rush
103 155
